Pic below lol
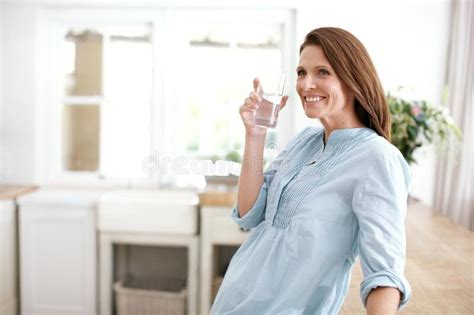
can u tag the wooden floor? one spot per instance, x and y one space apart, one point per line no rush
440 267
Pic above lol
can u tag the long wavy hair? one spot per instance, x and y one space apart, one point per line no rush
352 64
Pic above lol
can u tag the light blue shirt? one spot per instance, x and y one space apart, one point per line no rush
318 209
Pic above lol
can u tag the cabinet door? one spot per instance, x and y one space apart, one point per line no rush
58 261
8 265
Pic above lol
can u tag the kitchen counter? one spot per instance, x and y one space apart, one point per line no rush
14 191
213 198
61 198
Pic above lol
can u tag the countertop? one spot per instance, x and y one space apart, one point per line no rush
218 196
14 191
64 197
212 196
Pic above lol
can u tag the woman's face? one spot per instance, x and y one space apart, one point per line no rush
322 93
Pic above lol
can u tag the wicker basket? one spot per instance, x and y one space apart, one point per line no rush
151 297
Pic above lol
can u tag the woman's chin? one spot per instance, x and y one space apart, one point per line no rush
311 113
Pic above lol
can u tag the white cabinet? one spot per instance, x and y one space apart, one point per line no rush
160 219
8 264
58 252
108 242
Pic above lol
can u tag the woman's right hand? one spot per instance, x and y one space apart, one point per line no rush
250 106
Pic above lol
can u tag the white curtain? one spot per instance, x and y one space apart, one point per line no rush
454 189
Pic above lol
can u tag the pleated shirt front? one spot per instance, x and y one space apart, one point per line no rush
319 208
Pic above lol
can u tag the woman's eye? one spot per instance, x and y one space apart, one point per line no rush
300 72
323 72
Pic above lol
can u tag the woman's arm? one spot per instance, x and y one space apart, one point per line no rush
383 301
251 173
380 205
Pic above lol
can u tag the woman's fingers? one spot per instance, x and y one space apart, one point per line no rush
283 101
249 103
255 97
256 84
246 111
253 100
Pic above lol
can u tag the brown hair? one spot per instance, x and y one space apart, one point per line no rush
352 64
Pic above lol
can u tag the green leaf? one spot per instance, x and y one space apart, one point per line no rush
413 132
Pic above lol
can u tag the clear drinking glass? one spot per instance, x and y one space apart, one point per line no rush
271 90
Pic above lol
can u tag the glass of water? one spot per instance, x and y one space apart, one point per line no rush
271 89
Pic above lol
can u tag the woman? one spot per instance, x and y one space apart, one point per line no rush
333 194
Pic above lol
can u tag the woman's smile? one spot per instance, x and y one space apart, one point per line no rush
314 99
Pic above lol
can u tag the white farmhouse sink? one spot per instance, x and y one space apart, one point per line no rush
152 211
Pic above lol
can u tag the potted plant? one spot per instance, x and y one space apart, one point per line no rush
230 179
418 123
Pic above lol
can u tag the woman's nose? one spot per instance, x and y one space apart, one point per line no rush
309 83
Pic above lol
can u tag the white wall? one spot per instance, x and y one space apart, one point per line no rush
1 87
18 106
406 39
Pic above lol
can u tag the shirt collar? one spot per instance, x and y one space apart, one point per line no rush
340 136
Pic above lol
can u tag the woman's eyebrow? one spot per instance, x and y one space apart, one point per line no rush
315 67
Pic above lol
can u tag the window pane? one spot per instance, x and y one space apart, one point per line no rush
126 140
129 67
81 132
82 53
114 63
215 73
128 90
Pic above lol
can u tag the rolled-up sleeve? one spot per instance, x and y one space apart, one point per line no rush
256 214
380 205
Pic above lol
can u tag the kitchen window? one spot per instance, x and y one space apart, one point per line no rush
124 86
